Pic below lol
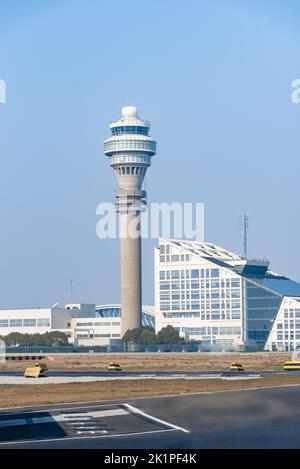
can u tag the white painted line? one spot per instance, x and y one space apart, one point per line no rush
91 431
74 419
240 378
134 410
108 413
117 435
89 415
85 427
75 424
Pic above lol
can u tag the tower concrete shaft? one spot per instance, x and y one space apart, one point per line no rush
131 274
130 150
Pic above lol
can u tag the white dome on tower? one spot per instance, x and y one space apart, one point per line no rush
129 111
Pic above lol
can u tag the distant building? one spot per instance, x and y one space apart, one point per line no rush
226 302
81 309
84 324
35 320
104 326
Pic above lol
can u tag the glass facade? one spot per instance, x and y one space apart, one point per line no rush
29 322
97 324
15 323
43 322
115 312
130 129
285 334
200 291
262 307
201 299
120 145
20 323
130 158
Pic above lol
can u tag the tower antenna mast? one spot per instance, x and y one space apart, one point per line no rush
71 291
245 235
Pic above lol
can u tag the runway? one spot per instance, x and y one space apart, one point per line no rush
258 418
151 373
16 378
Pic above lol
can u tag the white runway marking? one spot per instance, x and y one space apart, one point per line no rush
134 410
108 413
91 432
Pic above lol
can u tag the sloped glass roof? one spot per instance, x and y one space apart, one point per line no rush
281 286
252 270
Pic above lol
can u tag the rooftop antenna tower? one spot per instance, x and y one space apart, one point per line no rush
71 291
245 235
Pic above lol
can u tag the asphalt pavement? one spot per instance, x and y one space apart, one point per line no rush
257 418
73 373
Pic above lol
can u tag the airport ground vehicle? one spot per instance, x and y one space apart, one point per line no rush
36 371
114 366
236 366
292 365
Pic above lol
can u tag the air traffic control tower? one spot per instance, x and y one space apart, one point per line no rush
130 149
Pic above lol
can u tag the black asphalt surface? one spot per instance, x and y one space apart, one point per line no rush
258 418
74 373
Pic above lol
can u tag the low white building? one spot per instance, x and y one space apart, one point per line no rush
35 320
84 324
104 326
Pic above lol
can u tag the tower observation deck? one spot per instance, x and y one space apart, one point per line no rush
130 149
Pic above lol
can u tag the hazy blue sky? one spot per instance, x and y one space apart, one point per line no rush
214 77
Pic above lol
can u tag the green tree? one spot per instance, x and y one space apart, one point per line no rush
144 335
13 339
50 339
55 338
169 335
148 336
132 335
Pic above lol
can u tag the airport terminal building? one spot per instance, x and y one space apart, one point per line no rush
226 302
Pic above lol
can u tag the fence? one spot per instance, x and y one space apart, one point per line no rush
123 348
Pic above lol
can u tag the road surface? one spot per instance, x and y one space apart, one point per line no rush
258 418
150 373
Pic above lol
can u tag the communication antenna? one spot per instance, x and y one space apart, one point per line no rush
245 235
71 292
